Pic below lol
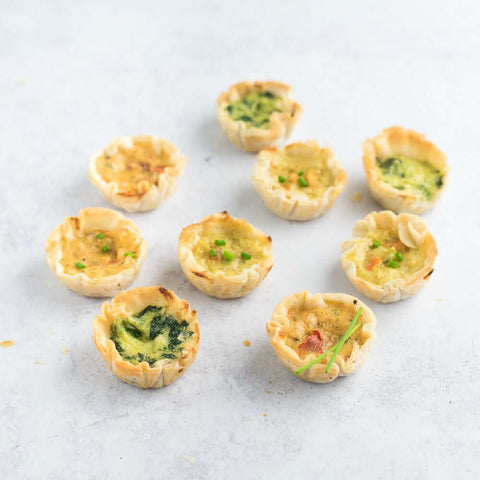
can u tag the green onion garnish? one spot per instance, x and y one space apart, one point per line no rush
302 182
228 256
376 244
281 179
219 242
80 265
399 256
300 173
392 264
130 254
246 256
105 249
212 253
100 235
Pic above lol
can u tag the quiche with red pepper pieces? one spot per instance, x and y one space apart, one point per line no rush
96 254
137 173
303 326
405 172
257 115
390 257
223 256
300 181
147 336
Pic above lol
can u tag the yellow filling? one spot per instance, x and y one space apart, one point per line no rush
309 174
381 257
134 169
96 257
331 321
214 256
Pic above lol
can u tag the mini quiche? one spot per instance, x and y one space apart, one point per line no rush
257 115
303 326
405 172
390 257
300 181
96 254
224 257
147 336
137 173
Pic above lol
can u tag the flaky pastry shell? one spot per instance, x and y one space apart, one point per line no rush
164 371
218 284
91 220
342 365
400 141
412 232
250 138
294 204
144 195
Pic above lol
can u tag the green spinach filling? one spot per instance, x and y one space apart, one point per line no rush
413 176
255 108
149 335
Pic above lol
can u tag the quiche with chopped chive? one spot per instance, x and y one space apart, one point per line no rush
305 327
390 257
300 181
405 172
97 253
137 173
256 115
223 256
147 336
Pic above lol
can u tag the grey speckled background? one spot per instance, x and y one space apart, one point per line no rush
75 75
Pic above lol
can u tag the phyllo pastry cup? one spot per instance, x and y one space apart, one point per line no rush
305 326
137 173
96 254
390 257
405 172
147 336
257 115
223 256
300 181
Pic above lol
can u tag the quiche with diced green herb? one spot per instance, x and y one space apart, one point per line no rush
98 253
257 115
390 257
300 181
323 336
137 173
405 172
224 257
147 336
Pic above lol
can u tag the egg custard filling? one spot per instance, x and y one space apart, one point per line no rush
416 177
136 168
255 108
149 335
382 257
319 329
99 253
308 174
228 248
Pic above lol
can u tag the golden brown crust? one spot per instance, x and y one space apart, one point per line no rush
294 204
143 375
252 139
279 324
91 219
412 232
400 141
146 195
218 284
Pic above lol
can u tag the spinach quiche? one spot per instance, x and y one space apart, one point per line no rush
305 326
147 336
137 173
405 172
300 181
223 256
390 257
97 253
256 115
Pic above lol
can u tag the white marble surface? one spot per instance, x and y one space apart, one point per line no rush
75 75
